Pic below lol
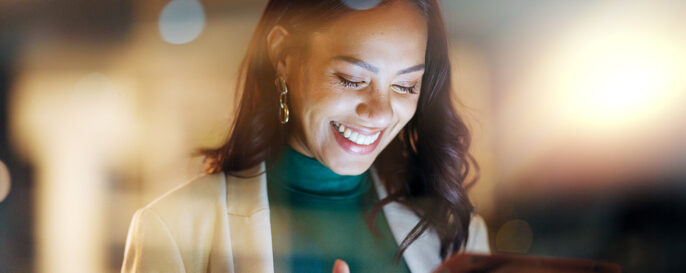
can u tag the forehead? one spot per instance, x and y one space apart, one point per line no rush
396 32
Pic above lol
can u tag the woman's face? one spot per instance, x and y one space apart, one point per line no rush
357 85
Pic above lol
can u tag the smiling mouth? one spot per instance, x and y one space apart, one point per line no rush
355 136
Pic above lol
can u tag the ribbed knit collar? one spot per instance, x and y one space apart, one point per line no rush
307 175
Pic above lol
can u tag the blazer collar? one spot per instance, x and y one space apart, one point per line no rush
246 196
423 254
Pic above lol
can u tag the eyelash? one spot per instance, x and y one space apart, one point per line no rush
352 84
407 89
349 84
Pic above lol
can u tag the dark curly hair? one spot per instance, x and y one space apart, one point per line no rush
425 167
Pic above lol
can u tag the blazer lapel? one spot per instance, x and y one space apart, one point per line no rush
423 254
249 226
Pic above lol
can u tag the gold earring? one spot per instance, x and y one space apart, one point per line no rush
283 96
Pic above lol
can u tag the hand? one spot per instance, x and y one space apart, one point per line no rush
340 266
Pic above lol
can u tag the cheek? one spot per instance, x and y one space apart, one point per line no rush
320 105
328 98
308 97
406 108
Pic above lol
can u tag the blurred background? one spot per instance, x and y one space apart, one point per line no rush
578 110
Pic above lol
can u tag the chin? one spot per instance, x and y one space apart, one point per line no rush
349 168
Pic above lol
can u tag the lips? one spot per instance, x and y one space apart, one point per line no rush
355 140
354 135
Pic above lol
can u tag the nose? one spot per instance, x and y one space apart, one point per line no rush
376 109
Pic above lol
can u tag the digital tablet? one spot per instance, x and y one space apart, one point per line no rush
501 263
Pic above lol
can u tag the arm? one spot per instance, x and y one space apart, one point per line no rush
150 246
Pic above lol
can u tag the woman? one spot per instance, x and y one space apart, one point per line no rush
346 145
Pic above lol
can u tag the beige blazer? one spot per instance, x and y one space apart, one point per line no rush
218 223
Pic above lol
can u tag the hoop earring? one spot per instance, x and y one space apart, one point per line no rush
283 102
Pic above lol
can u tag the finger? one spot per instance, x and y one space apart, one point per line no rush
340 267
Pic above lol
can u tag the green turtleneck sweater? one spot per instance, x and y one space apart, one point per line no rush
318 216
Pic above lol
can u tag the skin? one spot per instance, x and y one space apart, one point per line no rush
382 52
340 266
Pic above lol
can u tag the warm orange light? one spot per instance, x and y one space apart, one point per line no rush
604 90
610 79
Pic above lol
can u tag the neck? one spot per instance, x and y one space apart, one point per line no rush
306 174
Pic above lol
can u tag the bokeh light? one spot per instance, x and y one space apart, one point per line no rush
616 75
361 4
515 236
181 21
592 99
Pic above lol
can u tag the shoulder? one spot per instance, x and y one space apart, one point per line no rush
201 191
240 194
191 202
171 233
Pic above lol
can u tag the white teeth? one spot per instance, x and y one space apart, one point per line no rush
355 137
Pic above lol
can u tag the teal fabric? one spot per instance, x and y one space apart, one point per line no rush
318 216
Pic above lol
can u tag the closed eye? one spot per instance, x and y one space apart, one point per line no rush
405 89
348 83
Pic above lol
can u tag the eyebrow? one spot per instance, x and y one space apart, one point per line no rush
374 69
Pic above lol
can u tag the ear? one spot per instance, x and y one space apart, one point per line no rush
277 39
